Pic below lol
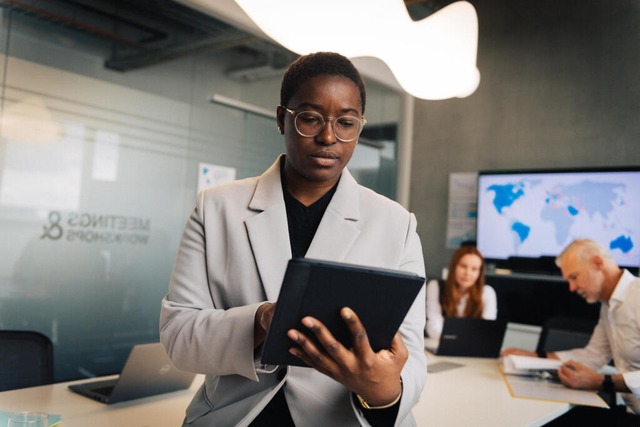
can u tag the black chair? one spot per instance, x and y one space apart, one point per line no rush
26 359
565 333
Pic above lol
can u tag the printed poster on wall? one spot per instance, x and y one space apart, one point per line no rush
209 175
463 208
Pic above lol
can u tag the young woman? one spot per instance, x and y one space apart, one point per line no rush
232 259
462 294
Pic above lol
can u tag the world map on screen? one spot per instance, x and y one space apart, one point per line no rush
531 215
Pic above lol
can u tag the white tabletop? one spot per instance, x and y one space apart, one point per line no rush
165 410
476 394
473 394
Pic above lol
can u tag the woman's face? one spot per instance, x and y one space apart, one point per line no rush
468 271
321 158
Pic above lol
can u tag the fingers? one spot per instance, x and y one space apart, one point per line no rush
398 348
573 374
319 358
375 376
358 333
331 355
571 364
332 350
305 345
567 376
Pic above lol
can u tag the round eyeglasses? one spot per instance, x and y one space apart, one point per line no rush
311 123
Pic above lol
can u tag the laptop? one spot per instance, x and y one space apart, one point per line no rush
470 338
147 372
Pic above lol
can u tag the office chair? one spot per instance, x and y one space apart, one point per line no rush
564 333
26 359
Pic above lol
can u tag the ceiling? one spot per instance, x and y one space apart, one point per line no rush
137 34
140 33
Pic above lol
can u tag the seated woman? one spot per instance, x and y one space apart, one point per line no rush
463 294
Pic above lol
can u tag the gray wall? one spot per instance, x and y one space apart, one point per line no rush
559 88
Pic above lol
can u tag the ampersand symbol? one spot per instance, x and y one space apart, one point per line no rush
54 230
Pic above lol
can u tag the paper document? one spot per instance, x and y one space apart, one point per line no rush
534 388
524 365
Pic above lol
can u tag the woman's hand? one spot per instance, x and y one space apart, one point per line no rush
374 376
261 323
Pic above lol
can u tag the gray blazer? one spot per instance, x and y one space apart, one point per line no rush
232 258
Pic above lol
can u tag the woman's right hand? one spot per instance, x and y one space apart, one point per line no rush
261 323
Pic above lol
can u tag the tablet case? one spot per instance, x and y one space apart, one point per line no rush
380 297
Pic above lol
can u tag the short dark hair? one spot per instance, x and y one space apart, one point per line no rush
319 64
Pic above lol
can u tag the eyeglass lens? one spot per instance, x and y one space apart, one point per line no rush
345 128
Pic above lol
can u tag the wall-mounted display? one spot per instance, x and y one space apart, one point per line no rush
531 215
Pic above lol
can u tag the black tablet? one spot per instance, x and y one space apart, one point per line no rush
380 297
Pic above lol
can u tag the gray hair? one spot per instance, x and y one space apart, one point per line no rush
586 249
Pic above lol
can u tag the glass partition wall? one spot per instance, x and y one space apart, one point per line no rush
99 170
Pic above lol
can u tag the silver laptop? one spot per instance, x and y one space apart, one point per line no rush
470 338
147 372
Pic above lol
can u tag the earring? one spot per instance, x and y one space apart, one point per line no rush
279 128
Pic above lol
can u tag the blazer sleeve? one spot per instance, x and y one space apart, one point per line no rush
195 333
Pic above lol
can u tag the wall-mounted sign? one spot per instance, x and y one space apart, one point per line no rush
83 227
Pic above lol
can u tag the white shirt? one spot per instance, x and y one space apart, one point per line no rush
435 319
616 335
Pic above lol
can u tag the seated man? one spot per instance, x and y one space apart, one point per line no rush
595 276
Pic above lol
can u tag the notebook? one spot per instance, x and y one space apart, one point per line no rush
470 338
147 372
380 297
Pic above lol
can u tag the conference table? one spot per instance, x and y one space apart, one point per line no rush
471 394
474 393
165 410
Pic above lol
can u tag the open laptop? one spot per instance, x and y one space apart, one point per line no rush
147 372
470 338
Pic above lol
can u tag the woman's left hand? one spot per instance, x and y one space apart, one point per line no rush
374 376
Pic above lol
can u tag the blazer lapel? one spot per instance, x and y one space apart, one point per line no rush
340 226
268 231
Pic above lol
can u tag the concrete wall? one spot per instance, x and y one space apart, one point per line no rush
559 88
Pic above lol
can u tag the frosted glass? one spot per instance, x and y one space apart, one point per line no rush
98 173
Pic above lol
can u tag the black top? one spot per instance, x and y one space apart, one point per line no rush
304 220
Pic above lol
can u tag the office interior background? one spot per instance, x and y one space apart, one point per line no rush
103 140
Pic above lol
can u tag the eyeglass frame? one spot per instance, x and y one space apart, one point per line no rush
325 120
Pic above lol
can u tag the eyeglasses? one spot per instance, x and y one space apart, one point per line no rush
311 123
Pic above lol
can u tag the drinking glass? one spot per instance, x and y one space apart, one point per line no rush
28 419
